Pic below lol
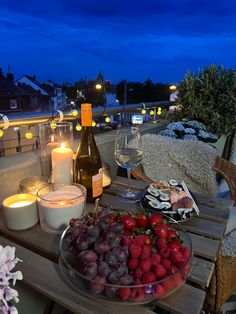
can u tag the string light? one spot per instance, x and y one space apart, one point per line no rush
78 127
53 125
159 111
152 112
74 112
143 111
29 135
107 119
1 133
94 123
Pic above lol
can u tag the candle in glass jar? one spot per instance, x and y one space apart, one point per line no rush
20 211
62 158
58 206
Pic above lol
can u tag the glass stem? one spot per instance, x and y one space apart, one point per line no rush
129 178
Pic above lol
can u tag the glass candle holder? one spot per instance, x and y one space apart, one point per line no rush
57 152
57 204
32 184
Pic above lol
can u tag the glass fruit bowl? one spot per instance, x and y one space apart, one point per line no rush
108 271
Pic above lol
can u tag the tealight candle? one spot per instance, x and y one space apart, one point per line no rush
58 204
62 159
20 211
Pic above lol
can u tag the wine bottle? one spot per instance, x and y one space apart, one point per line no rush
88 164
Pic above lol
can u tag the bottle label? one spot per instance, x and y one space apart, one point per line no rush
86 114
97 184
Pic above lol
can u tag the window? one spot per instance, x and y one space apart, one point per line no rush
13 103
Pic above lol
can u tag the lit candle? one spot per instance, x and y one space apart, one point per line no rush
20 211
57 207
62 158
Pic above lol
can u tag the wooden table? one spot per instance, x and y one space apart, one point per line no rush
39 251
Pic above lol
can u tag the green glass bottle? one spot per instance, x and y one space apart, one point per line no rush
87 163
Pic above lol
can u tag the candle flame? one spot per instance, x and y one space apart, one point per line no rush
63 145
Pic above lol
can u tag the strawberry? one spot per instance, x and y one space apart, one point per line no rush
161 231
142 220
146 250
164 252
185 252
127 221
155 219
160 271
168 284
148 277
124 293
177 279
145 265
173 270
137 282
176 257
135 250
112 218
161 243
133 263
140 239
137 294
159 291
166 263
155 258
137 273
172 234
174 245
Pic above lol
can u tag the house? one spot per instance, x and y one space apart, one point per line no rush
52 98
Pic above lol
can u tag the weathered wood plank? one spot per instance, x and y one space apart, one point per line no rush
204 247
185 300
214 213
213 201
201 272
203 227
44 276
136 184
116 203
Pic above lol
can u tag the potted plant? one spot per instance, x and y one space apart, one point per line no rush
210 97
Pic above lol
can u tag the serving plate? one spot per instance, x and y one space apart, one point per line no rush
172 199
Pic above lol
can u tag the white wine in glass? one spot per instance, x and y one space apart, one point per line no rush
128 154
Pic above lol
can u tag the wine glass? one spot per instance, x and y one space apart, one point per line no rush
128 154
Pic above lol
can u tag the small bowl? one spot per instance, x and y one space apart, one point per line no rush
140 294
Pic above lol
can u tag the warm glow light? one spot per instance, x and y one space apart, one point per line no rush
107 119
78 127
1 133
94 123
151 112
98 86
53 125
143 111
20 204
29 135
173 87
63 145
74 113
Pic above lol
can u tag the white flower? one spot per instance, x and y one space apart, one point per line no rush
7 294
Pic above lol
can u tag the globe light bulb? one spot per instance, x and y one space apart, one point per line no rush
107 119
53 125
74 113
78 127
144 111
94 123
29 135
1 133
151 112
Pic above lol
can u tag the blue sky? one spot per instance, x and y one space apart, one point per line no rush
134 40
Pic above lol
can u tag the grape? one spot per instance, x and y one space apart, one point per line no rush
90 269
117 227
68 239
110 258
120 254
116 241
87 256
99 279
101 247
113 278
126 280
103 225
93 231
109 235
95 288
120 269
91 240
111 291
82 242
103 269
75 233
74 222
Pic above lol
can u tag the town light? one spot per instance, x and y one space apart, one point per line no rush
98 86
173 87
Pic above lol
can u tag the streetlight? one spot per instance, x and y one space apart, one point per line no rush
173 87
98 86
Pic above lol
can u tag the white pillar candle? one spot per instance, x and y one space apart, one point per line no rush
56 208
20 211
62 158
